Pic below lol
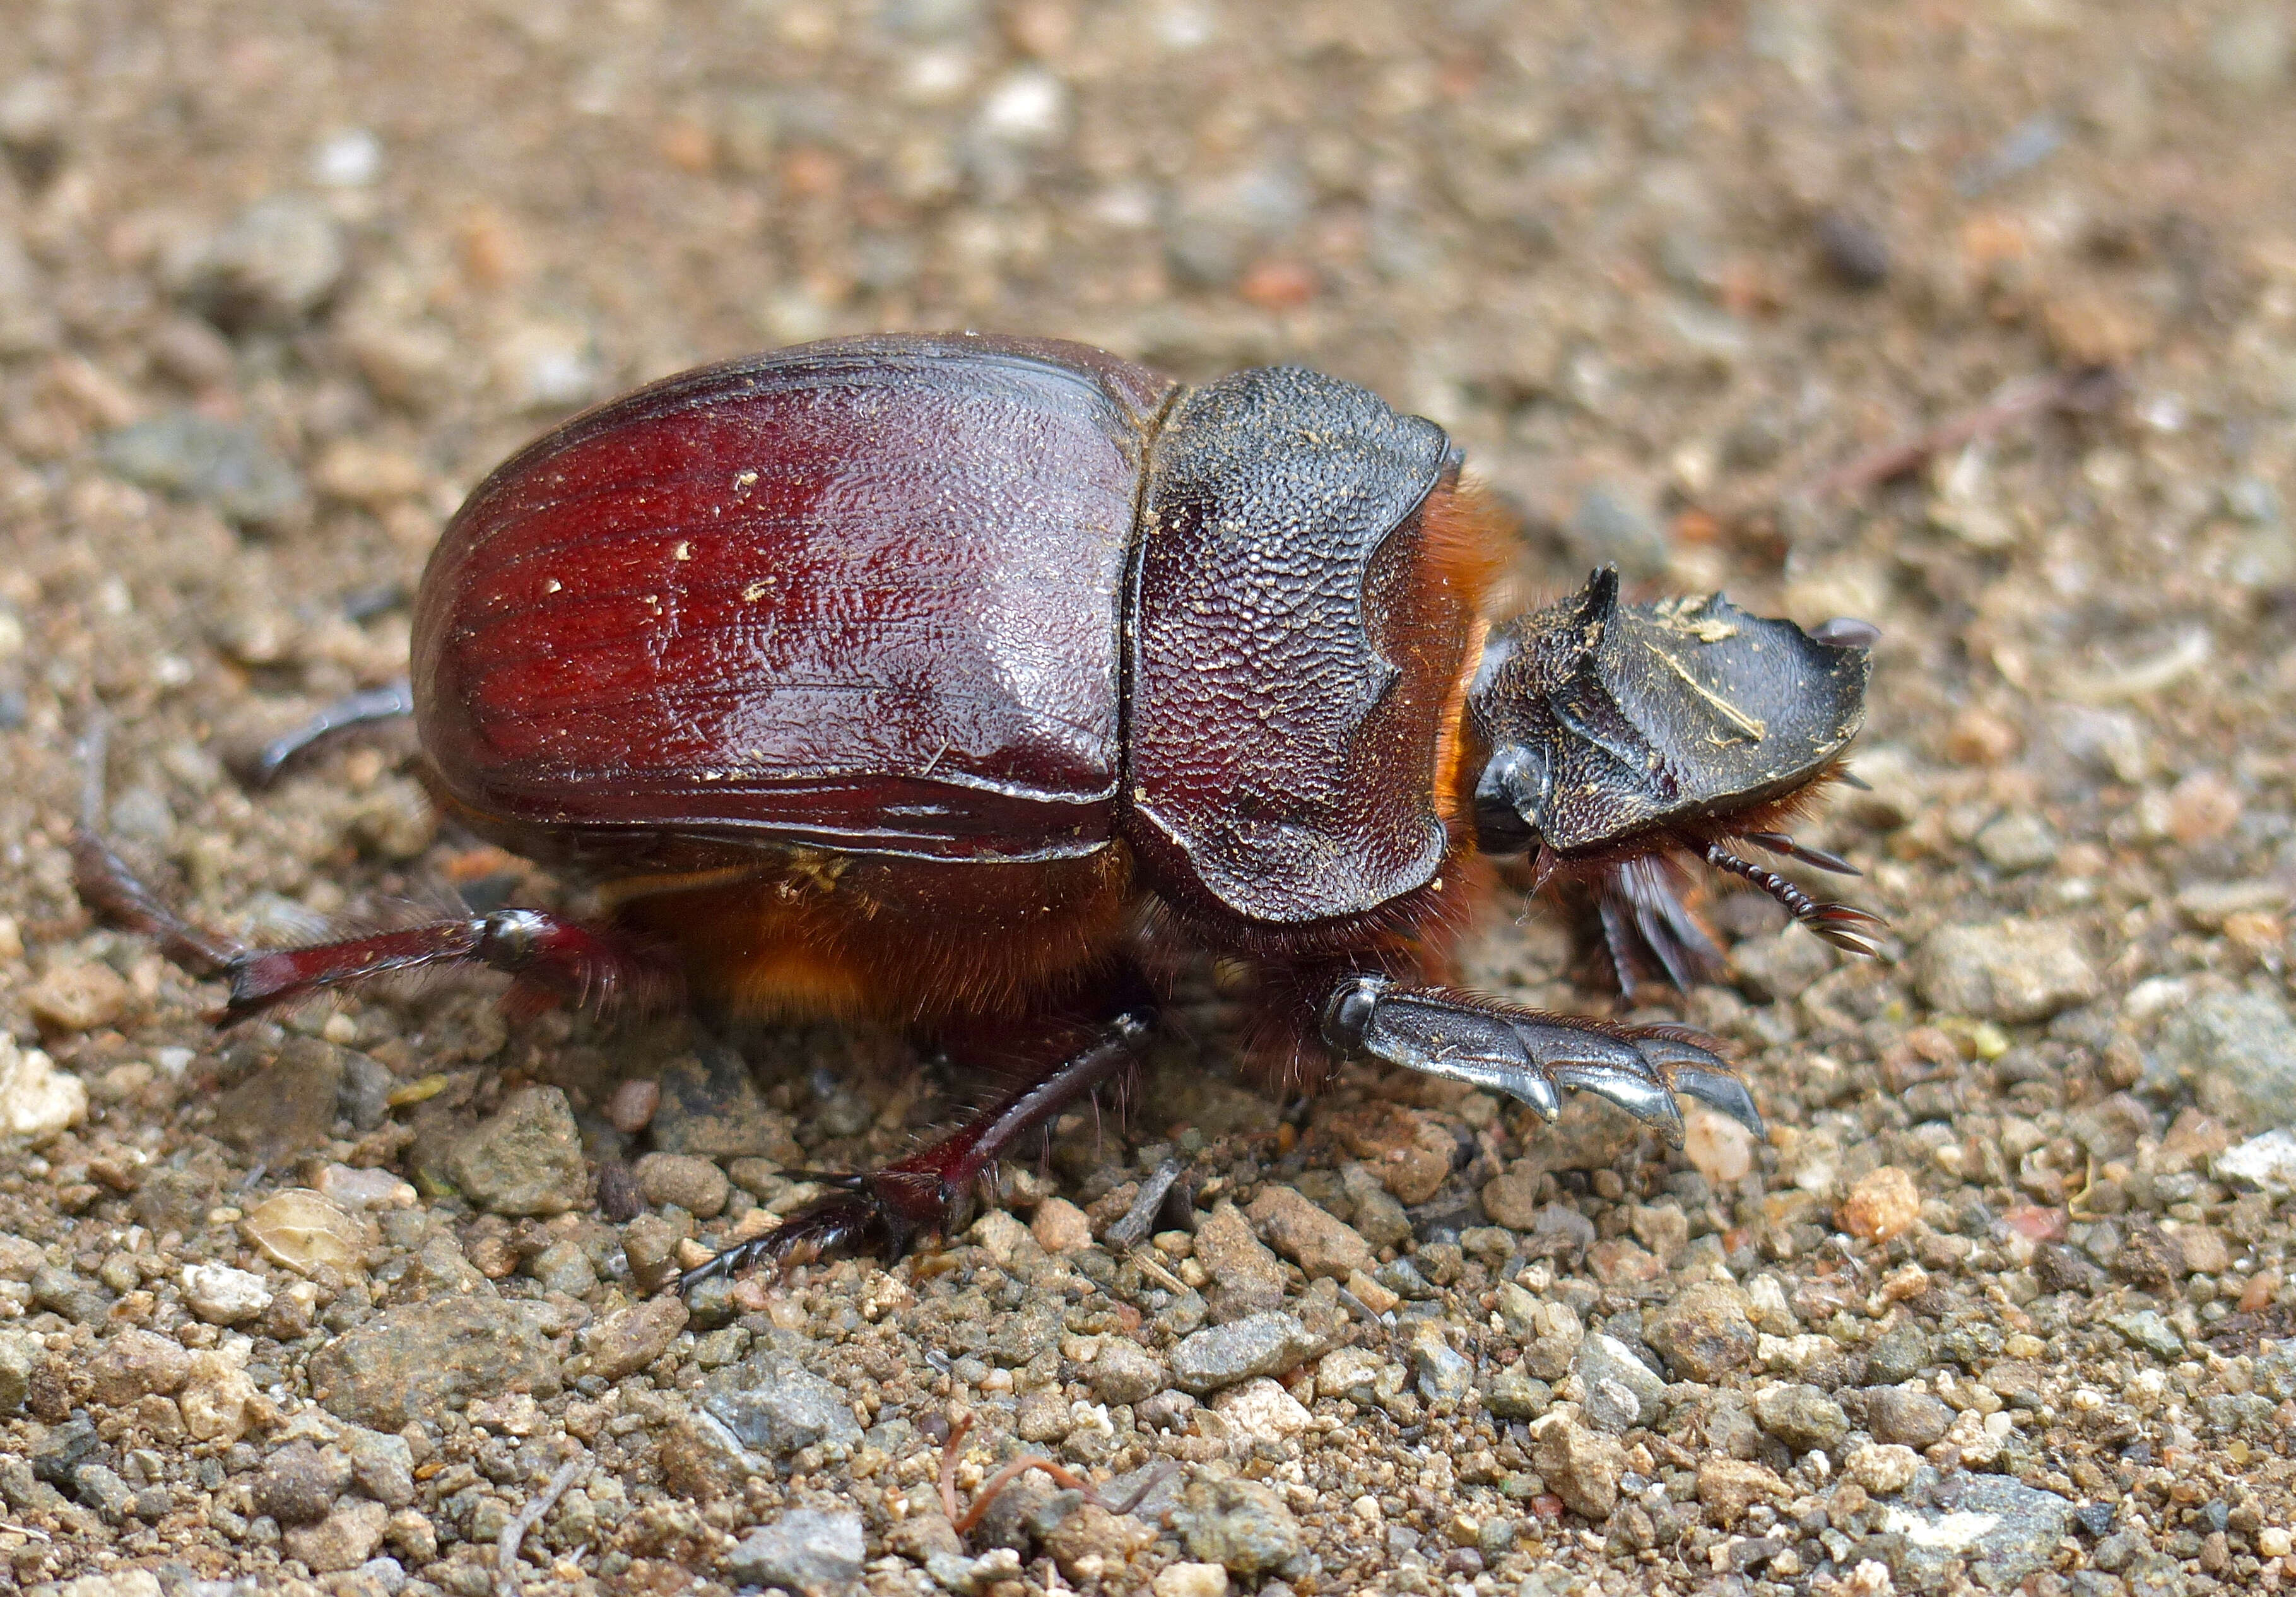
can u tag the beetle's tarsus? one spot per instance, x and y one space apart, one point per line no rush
887 1212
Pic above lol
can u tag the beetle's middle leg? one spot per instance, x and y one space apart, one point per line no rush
1531 1054
886 1211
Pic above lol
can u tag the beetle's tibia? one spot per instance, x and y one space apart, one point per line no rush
1530 1055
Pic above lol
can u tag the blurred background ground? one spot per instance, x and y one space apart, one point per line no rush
279 283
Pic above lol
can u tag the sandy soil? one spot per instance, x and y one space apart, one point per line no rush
2001 1302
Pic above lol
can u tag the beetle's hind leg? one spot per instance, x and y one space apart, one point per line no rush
887 1212
1532 1055
551 957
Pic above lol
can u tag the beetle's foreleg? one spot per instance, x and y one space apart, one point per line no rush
886 1211
1529 1054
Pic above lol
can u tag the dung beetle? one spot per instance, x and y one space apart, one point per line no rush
971 683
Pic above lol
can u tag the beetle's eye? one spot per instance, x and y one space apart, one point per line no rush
1510 785
1498 829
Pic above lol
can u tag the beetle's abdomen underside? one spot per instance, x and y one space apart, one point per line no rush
864 596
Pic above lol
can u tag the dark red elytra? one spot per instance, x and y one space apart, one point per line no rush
972 683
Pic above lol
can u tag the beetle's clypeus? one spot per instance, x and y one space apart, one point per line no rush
968 682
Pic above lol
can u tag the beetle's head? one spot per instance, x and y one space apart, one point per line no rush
1682 722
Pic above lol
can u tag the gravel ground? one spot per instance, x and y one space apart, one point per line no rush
331 1303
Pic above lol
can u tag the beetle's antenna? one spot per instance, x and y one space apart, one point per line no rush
1777 843
1843 925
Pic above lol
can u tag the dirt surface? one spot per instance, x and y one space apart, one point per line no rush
2001 1302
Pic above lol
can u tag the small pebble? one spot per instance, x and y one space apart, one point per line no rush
696 1185
1581 1466
1261 1411
631 1339
1856 253
1060 1227
1704 1333
526 1158
1883 1203
1191 1580
36 1097
631 1109
77 997
2014 971
1883 1469
302 1229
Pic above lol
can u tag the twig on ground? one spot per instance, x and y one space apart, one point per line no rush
507 1580
1062 1476
2090 389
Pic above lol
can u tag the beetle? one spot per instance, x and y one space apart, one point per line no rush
969 683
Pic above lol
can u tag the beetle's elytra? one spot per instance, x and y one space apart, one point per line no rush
962 682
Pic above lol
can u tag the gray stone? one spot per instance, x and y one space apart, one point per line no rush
1703 1334
525 1159
806 1551
99 1487
1622 1391
778 1407
1220 1355
1516 1394
2148 1332
1240 1524
1444 1374
286 1108
1779 966
2236 1051
1246 1279
299 1483
70 1294
2003 1530
274 264
1801 1416
218 463
1898 1355
2018 840
1581 1466
1907 1417
1124 1371
415 1359
383 1466
711 1106
1609 528
2012 970
1379 1217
